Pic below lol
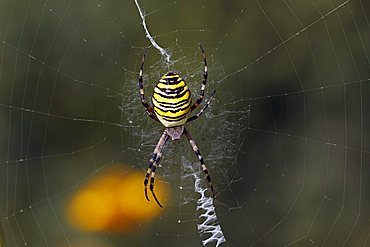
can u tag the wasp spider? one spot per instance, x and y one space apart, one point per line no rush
172 105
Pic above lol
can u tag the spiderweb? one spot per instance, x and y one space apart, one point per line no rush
285 139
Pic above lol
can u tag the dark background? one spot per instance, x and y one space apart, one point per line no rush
287 138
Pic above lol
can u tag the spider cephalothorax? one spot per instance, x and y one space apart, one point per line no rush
172 105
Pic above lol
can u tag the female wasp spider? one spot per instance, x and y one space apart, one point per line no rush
172 107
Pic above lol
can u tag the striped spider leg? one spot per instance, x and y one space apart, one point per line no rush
200 157
148 109
153 162
204 82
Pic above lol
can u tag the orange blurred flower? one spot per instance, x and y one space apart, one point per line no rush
114 202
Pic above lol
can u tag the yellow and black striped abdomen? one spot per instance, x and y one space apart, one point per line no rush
171 100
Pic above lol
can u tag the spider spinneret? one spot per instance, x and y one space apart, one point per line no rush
172 105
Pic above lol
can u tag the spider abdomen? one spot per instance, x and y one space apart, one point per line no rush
171 100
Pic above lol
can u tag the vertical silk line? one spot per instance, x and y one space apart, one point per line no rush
151 39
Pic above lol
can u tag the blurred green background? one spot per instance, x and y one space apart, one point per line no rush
286 140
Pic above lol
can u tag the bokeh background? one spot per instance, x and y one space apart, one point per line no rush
286 140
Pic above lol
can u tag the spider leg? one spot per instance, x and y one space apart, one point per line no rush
203 109
153 162
197 152
149 109
205 76
151 187
148 172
